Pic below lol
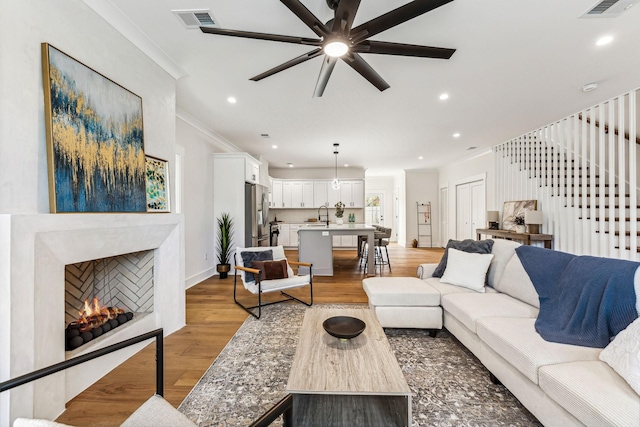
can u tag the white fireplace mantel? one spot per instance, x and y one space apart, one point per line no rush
34 250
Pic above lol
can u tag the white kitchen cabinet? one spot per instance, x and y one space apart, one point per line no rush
333 195
283 237
293 234
276 194
311 194
286 194
252 172
320 193
302 194
352 193
357 194
345 241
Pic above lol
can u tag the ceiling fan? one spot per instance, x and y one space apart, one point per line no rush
338 40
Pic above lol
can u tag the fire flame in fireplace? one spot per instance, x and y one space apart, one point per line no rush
94 321
93 315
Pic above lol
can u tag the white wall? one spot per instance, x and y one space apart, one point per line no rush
75 29
421 187
197 202
462 170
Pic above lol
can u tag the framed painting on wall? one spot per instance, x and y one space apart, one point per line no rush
157 185
95 148
511 210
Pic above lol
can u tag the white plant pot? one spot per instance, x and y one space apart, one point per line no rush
521 228
339 221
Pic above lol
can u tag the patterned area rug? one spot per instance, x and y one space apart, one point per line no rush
450 386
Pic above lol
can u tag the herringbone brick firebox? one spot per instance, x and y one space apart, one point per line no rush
123 281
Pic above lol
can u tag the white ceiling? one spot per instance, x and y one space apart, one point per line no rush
519 65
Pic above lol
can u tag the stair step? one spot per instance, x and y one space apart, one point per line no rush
589 195
606 218
617 233
580 185
605 206
629 248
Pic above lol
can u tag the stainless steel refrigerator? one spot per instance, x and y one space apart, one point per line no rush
256 222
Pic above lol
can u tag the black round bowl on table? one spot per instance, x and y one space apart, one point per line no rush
344 327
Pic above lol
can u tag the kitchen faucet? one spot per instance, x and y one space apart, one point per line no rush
326 215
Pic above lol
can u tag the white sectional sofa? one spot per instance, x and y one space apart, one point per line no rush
560 384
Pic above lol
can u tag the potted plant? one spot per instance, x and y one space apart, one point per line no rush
339 212
223 244
519 220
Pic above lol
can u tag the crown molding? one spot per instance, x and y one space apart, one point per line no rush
118 20
217 140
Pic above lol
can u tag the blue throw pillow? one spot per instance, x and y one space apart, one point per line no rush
250 256
468 245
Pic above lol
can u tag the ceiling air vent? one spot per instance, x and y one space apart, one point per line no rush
609 8
195 18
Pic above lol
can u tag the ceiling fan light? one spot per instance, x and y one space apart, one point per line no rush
336 48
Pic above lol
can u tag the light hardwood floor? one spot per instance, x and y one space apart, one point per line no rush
212 319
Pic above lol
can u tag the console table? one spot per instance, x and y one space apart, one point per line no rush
525 238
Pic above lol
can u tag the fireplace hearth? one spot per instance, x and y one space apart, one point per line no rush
33 263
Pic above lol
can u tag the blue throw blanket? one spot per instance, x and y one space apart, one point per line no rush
584 300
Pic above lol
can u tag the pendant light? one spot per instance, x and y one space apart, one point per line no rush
335 184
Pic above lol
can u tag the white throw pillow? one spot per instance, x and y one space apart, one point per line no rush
623 354
466 269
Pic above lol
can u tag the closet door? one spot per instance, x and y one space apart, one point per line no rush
478 207
444 216
463 212
470 209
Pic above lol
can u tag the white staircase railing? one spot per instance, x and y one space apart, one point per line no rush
582 170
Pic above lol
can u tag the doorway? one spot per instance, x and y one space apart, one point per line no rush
470 208
374 209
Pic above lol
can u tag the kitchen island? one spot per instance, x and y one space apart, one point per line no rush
315 245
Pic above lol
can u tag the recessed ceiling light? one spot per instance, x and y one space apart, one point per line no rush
589 87
420 158
604 40
444 96
274 146
231 100
346 165
290 165
472 148
456 135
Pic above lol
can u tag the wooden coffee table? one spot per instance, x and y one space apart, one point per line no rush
347 383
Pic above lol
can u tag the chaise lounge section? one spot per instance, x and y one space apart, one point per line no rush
560 384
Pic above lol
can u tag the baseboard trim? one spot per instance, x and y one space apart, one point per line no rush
197 278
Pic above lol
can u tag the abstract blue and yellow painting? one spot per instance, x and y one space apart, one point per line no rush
95 139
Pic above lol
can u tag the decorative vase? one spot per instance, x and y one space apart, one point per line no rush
339 221
223 269
520 228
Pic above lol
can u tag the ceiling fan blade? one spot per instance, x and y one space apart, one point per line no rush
387 48
262 36
344 16
325 72
288 64
356 62
395 17
305 15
